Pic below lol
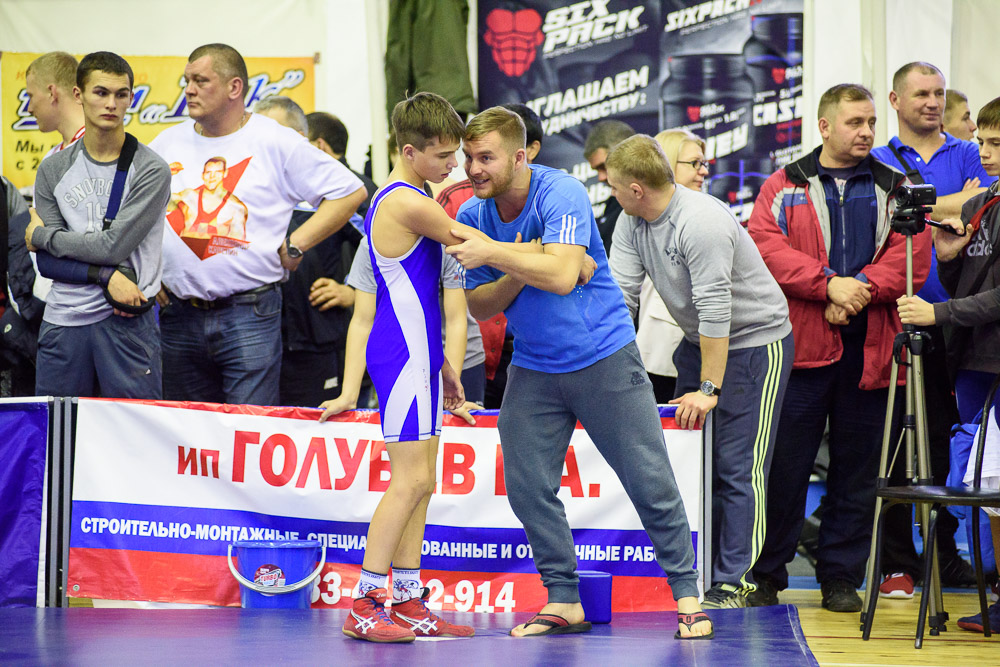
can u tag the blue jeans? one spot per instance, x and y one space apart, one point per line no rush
118 357
230 354
474 383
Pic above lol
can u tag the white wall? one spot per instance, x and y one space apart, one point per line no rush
866 41
973 60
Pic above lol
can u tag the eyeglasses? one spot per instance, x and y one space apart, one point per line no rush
695 164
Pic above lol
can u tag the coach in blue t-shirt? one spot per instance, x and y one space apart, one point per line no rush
574 359
928 155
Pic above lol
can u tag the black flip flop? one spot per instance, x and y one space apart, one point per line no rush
690 620
556 625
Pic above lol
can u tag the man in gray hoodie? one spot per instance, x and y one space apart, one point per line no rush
737 351
86 345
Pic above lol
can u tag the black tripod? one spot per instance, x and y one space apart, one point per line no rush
909 222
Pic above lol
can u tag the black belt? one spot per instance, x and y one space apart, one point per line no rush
247 297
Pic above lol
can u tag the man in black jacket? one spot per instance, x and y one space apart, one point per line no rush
20 311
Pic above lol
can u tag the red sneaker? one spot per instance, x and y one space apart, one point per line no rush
897 585
368 620
415 615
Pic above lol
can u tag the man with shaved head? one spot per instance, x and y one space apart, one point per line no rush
929 155
220 318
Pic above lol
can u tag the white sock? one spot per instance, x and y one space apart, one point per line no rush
370 581
405 584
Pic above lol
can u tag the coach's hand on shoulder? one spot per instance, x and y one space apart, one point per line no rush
692 408
473 252
337 405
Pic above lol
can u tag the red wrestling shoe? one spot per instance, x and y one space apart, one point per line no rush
415 615
368 620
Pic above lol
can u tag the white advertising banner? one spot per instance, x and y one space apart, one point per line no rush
160 489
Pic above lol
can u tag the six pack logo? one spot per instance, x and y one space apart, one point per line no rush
514 37
584 23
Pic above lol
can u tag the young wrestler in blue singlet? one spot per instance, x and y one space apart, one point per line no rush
406 361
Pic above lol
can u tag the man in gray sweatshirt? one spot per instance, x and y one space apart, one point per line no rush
737 351
86 346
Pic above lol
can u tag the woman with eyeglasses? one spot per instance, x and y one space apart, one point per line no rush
658 334
686 154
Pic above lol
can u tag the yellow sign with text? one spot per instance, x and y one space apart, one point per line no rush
158 103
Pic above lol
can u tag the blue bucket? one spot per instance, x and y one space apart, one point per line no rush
276 575
595 595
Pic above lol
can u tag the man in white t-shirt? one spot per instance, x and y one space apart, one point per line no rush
221 306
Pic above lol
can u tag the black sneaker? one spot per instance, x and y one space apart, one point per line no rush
724 596
766 594
956 573
840 596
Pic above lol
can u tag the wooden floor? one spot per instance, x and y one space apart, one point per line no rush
836 641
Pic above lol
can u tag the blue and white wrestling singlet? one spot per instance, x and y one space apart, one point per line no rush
405 351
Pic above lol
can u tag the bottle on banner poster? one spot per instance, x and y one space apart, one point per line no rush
736 181
773 56
712 96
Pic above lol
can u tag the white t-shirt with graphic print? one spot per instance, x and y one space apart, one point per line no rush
231 201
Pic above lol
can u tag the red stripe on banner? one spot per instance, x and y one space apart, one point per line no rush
312 414
306 414
110 574
107 574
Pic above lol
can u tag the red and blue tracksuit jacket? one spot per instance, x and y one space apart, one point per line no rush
790 224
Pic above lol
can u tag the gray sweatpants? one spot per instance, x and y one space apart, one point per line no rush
613 400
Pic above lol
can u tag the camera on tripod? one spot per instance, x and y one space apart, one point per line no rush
913 196
913 203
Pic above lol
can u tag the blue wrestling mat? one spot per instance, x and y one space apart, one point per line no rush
80 636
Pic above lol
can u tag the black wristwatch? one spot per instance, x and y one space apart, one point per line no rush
709 389
293 252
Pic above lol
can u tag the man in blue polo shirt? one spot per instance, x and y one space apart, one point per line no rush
574 359
928 155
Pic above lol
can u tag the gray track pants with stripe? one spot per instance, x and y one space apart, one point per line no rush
613 400
746 423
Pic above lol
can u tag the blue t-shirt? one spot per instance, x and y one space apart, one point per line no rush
949 168
553 333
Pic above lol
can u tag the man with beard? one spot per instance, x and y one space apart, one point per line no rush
574 359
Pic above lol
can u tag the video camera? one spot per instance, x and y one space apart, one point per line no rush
914 196
913 203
